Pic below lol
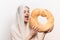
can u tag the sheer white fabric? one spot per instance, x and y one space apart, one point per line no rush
18 31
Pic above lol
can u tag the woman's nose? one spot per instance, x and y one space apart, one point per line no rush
27 13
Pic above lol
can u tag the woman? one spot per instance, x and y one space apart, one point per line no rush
22 30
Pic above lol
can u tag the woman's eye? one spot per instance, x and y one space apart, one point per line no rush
24 11
28 11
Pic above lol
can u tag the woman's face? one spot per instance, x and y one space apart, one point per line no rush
26 14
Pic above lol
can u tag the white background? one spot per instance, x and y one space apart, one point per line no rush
8 10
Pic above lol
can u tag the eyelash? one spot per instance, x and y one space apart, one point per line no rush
26 11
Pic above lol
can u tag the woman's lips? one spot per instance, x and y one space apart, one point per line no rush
27 17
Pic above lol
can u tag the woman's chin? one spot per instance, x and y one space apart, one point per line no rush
26 21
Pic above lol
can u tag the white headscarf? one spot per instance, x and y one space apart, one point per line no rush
19 25
20 20
20 16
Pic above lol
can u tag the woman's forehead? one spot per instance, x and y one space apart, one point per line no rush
25 8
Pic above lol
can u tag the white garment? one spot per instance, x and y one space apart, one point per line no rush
18 32
16 35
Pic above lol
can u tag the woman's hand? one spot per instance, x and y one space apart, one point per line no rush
36 29
49 30
32 34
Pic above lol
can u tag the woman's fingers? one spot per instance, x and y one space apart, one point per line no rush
35 28
50 29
